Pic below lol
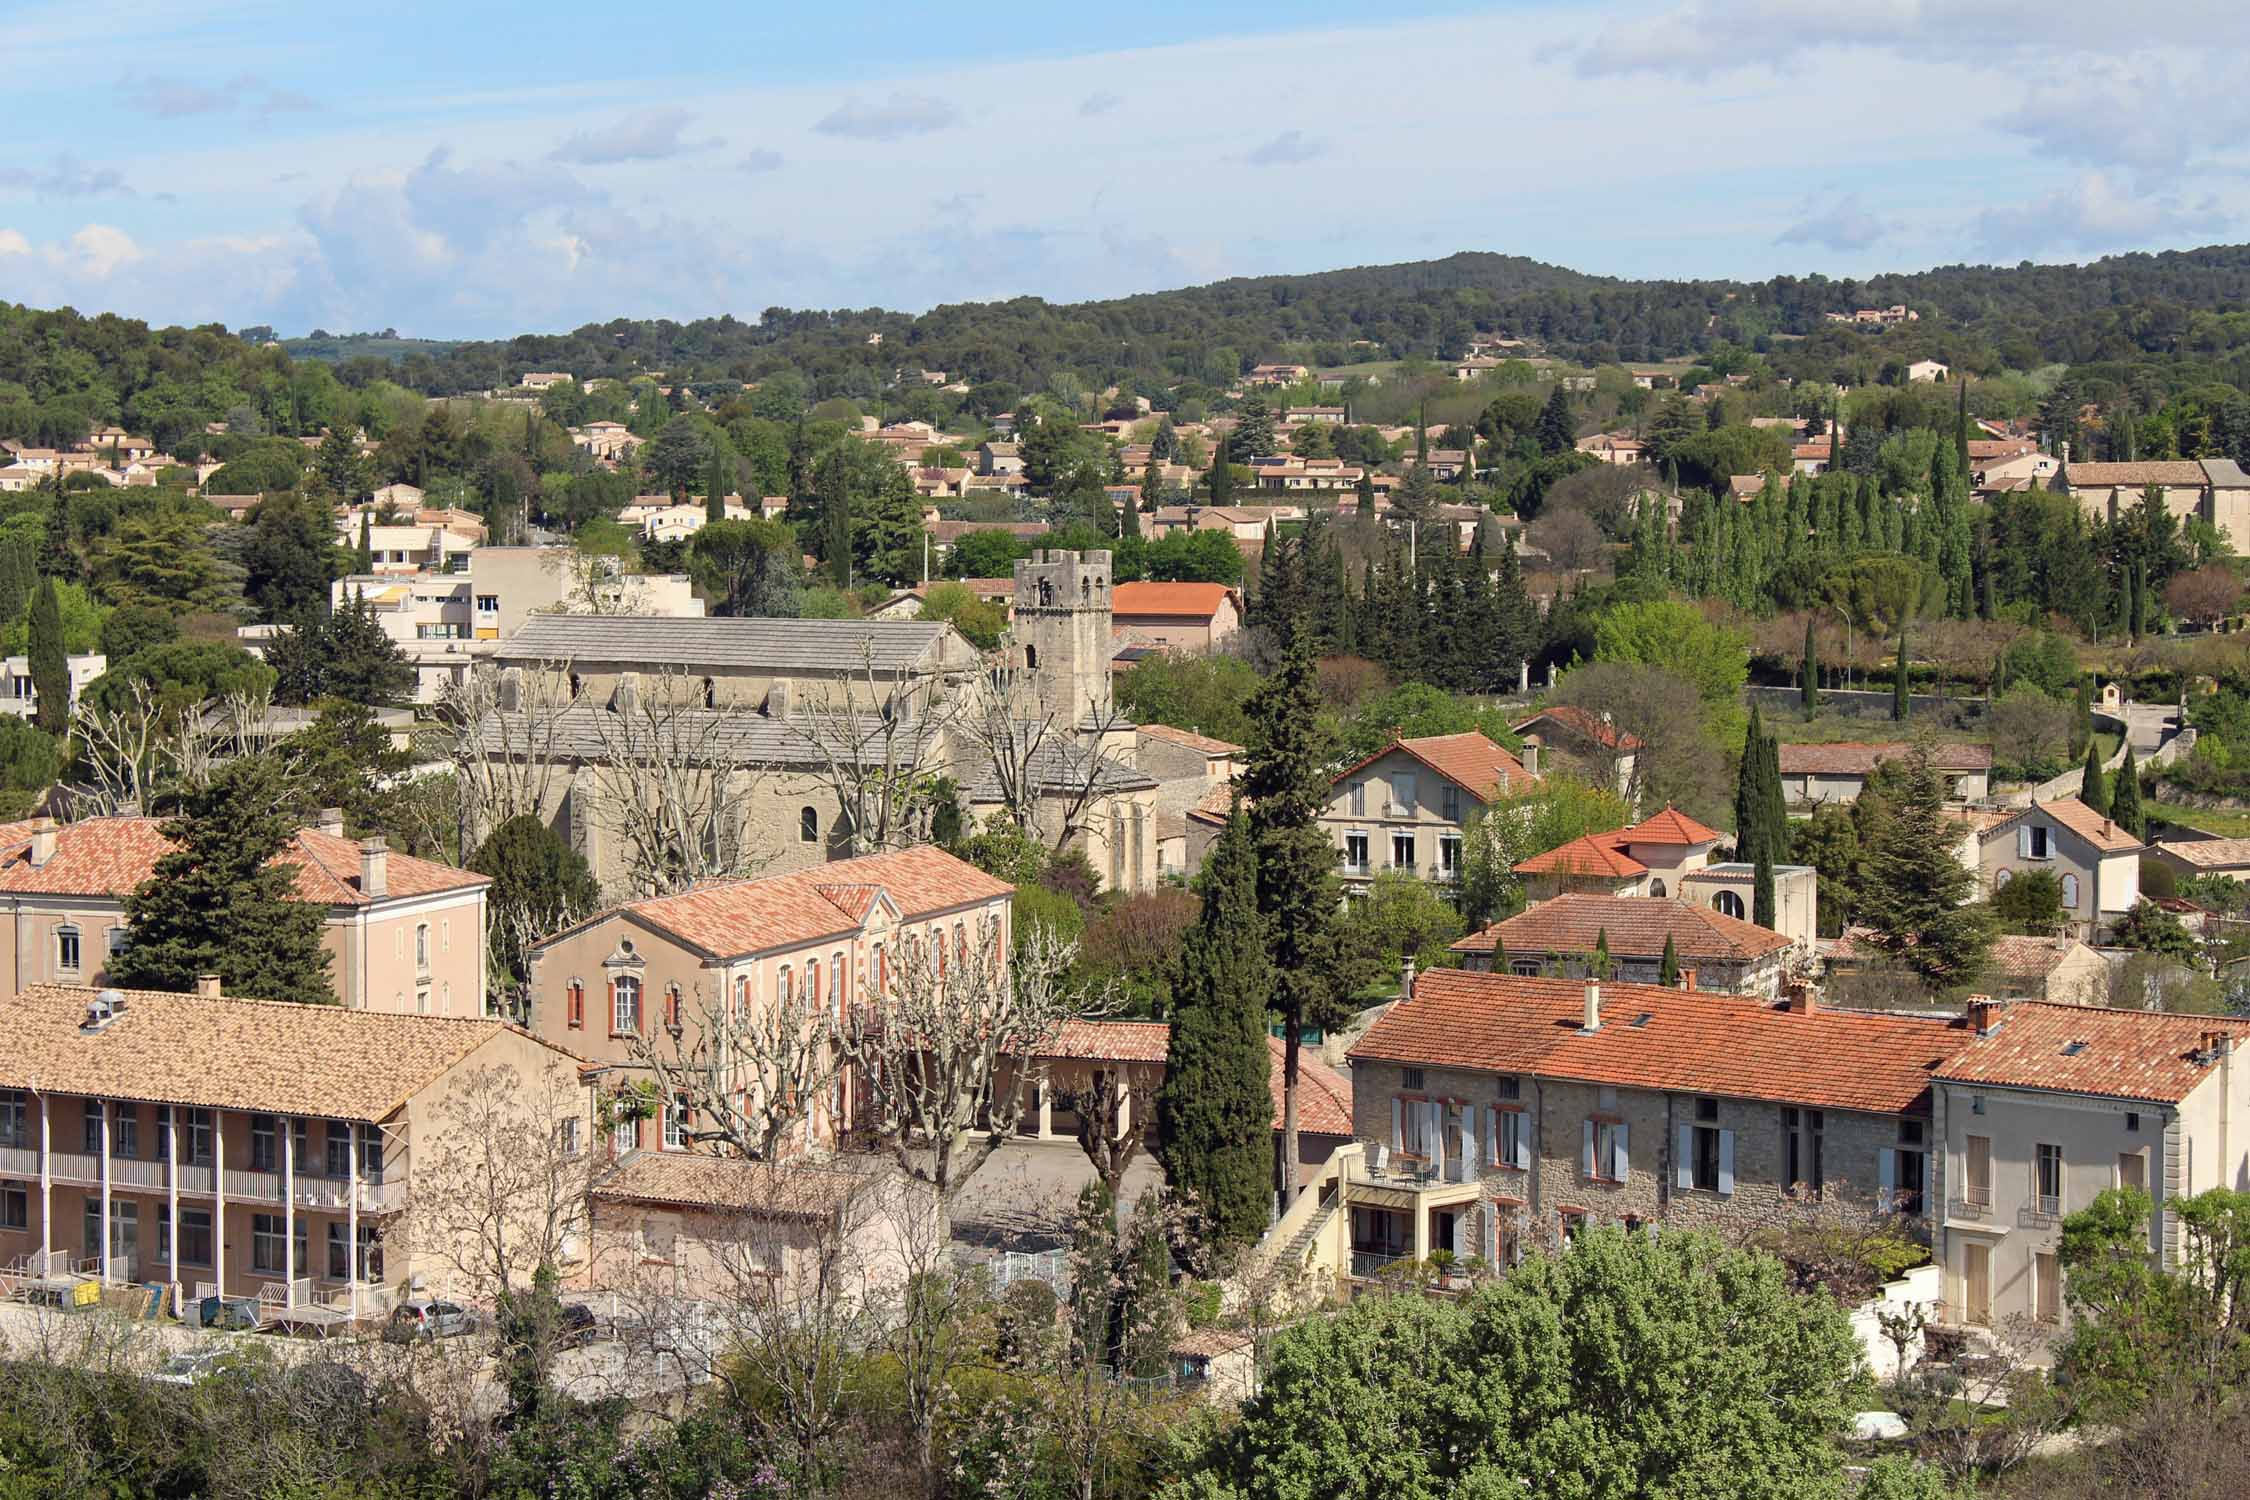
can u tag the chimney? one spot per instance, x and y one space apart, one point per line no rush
208 987
374 867
1406 978
1593 1005
1687 979
1799 996
332 821
1530 757
42 842
1984 1014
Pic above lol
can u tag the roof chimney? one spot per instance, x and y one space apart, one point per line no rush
332 822
1593 1005
42 842
1799 995
374 867
1406 978
208 987
1984 1014
1530 757
1687 979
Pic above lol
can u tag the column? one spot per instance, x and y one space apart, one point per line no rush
103 1106
219 1200
46 1190
1124 1102
287 1129
1046 1110
351 1209
176 1117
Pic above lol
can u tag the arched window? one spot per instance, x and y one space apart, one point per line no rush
808 825
2070 892
624 1005
812 981
961 942
1656 889
422 946
1085 589
576 687
574 1008
1728 904
672 1007
2001 877
836 971
1031 657
741 996
784 989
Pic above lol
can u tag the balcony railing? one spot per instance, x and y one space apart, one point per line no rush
132 1174
1968 1208
1367 1264
1356 867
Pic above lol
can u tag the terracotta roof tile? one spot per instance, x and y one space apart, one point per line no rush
1112 1041
2023 957
1595 854
2209 854
1693 1042
1587 726
728 1184
1199 601
2091 1049
733 917
1636 926
1324 1100
1671 827
1469 760
1189 738
2082 820
2158 471
1856 758
112 856
232 1054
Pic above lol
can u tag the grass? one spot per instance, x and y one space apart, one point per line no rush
1828 729
2108 743
2226 822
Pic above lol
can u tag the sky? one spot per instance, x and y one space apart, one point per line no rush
474 170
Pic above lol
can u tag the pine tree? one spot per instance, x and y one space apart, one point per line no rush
1808 673
50 661
1667 967
1899 702
1554 431
2125 798
220 904
2093 787
1286 779
1915 894
1214 1109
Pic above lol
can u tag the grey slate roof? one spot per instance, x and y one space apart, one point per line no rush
778 646
2224 474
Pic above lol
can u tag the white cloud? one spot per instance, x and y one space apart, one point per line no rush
901 115
651 135
2095 213
66 177
101 249
1842 224
1288 149
760 160
13 242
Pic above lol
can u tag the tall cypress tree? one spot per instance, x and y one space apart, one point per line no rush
1286 777
1222 475
2093 786
1808 673
2125 798
50 662
715 486
1667 967
364 560
1899 703
1214 1110
1750 803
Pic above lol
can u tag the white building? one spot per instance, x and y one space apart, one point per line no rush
22 698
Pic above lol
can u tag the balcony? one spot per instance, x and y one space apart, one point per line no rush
1368 1264
131 1174
1975 1210
1357 868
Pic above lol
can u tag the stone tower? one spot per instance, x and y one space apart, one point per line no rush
1062 633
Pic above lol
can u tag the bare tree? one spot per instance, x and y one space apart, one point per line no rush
876 743
596 583
132 752
1103 1133
670 780
749 1075
504 735
1035 760
948 1055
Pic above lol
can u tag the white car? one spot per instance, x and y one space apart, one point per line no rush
192 1366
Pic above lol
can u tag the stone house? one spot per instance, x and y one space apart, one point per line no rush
1814 774
1186 617
1557 937
1506 1112
1670 855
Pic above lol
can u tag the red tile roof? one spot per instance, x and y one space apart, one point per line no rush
684 1179
1468 760
2082 820
2022 957
1693 1042
1854 758
2091 1049
112 856
1189 738
1594 854
1636 926
1671 827
2178 471
731 917
1198 601
1324 1096
1587 726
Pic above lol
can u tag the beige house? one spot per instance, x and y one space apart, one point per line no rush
1403 808
1814 774
1571 737
406 936
1670 855
192 1140
2097 863
1559 936
638 973
2228 857
1186 617
2052 1104
2215 490
1499 1112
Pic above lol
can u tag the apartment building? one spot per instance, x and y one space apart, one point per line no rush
406 936
241 1148
653 973
1404 807
22 697
2097 863
2052 1104
1506 1111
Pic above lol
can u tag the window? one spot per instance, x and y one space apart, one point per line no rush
1410 1078
1976 1187
371 1153
195 1237
195 1134
808 825
124 1128
1449 855
1402 792
266 1231
741 1007
574 1005
1728 904
1402 851
785 987
1449 802
1359 799
264 1155
336 1152
2070 892
2035 844
1607 1151
1801 1150
422 947
566 1135
124 1225
2047 1170
624 1005
1573 1223
2046 1287
676 1117
15 1117
2132 1170
114 940
1908 1169
1511 1139
2132 1121
66 949
672 1007
1355 853
15 1207
1706 1152
488 604
370 1258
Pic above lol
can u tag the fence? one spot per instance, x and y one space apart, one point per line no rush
1011 1266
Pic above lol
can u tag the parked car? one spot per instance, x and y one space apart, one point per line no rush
429 1318
192 1366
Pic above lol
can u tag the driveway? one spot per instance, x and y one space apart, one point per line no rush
1024 1196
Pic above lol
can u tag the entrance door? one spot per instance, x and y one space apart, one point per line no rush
124 1233
1976 1279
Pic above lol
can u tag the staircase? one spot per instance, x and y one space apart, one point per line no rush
1294 1249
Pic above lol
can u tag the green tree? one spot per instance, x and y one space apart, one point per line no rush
132 628
221 903
1286 778
2141 1330
1900 703
717 484
1808 673
1736 1385
677 455
347 656
749 567
1555 432
1675 636
289 557
50 661
1516 826
2093 786
1222 473
2031 902
2125 798
983 623
1668 966
887 540
2149 928
1915 894
539 885
1214 1108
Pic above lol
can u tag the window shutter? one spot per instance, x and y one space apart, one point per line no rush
1492 1136
1683 1160
2023 841
1886 1179
1398 1125
1470 1160
1434 1121
1523 1141
1726 1163
1491 1234
1586 1155
1621 1157
1461 1234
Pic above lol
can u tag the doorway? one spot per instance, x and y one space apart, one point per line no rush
1976 1282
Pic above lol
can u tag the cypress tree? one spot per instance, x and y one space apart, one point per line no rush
2082 725
2125 798
1761 892
365 561
57 558
1222 476
1286 778
50 663
1808 673
2093 789
715 486
1667 967
1750 802
1899 703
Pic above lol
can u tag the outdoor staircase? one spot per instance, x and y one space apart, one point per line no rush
1295 1248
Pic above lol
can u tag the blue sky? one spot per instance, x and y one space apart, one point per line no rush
477 169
